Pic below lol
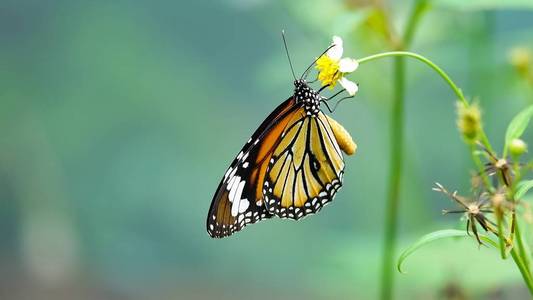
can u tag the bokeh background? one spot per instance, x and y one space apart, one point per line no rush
118 119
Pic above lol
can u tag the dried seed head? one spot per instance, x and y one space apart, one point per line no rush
517 147
469 121
344 139
473 209
501 163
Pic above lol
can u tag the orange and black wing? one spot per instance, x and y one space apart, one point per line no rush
305 170
238 200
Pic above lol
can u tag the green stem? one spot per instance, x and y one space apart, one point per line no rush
481 169
524 254
523 270
523 248
396 154
419 9
437 69
421 58
485 140
501 234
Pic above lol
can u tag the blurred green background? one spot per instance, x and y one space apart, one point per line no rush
118 119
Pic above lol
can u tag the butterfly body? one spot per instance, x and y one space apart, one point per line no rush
291 167
309 98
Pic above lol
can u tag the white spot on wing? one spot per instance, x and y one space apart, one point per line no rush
234 184
227 173
244 205
245 156
238 205
230 176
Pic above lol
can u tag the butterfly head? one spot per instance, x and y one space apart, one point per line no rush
306 95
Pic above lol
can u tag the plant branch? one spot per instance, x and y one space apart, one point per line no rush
396 154
458 92
421 58
523 270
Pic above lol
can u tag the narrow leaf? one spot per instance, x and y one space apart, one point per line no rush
434 236
517 126
476 5
522 188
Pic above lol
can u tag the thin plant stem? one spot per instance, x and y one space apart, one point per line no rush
421 58
523 270
396 154
481 168
418 11
501 235
522 247
483 138
485 141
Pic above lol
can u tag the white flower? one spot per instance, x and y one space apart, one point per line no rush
332 67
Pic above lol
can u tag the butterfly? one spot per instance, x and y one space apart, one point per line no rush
291 167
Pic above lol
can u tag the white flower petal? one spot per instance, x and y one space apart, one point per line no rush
348 65
337 40
335 52
350 86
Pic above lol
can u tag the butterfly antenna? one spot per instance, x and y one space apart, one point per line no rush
287 51
308 68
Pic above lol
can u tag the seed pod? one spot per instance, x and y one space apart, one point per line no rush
344 139
517 147
469 121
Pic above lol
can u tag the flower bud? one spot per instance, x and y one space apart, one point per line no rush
517 147
469 121
520 58
344 139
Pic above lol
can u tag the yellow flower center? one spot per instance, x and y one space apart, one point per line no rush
328 71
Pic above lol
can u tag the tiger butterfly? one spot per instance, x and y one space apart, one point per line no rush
291 167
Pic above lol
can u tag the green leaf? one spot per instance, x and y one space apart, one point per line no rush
517 126
522 188
434 236
473 5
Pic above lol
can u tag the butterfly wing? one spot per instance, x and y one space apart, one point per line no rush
305 169
238 199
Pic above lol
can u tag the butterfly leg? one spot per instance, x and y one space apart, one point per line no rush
314 80
322 88
338 102
338 93
327 106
